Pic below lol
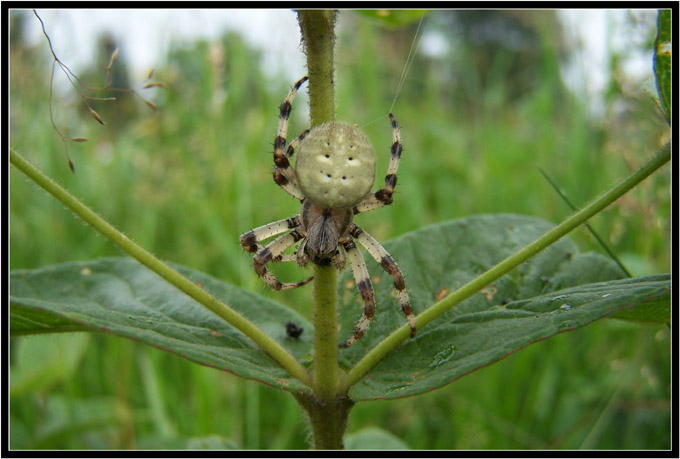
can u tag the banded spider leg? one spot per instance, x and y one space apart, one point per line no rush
274 250
363 281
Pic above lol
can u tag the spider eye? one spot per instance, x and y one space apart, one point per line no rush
327 156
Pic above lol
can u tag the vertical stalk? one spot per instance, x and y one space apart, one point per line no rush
325 382
328 420
318 38
327 408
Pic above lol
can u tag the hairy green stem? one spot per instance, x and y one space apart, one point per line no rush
270 346
400 335
318 38
328 420
327 408
325 333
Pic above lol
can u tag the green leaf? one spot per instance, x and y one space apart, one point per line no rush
588 268
372 438
652 311
118 295
30 322
539 299
662 61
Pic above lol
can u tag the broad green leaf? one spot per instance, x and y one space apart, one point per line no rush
31 322
118 295
539 299
662 61
655 312
588 268
372 438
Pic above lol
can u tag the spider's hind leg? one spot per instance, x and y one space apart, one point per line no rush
273 251
383 197
283 174
249 240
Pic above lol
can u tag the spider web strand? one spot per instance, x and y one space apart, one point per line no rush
409 61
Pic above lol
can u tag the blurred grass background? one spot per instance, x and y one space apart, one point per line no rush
185 181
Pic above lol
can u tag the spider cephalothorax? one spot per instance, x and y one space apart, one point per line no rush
333 176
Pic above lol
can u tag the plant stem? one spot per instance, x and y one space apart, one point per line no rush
327 408
318 37
328 420
325 333
400 335
270 346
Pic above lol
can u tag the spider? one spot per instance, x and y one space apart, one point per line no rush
333 176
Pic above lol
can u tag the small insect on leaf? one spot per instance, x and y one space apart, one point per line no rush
96 116
293 330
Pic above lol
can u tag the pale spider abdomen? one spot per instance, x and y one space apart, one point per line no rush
335 166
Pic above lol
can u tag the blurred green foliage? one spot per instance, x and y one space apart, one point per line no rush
662 62
185 181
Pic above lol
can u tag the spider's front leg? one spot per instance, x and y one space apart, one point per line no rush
273 251
284 176
380 255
